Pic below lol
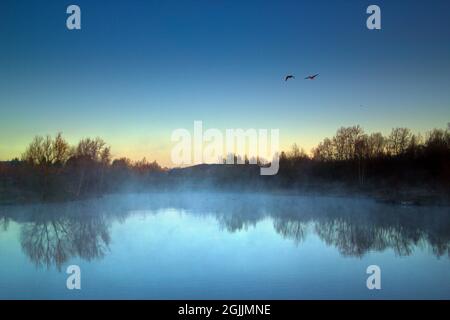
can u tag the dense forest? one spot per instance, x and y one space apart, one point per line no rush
401 166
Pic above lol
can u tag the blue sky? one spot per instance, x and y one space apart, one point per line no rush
140 69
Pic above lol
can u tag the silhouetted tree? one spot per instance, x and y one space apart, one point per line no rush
398 141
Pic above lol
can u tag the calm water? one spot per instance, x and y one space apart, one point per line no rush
220 246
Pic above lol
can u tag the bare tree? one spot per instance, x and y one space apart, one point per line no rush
47 151
345 140
398 141
91 148
60 149
324 151
376 145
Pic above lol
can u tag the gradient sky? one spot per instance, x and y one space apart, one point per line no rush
140 69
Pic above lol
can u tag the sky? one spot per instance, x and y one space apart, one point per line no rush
138 70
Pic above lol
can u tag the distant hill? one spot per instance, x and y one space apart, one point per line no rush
210 170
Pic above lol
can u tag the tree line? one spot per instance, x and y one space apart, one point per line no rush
52 169
352 157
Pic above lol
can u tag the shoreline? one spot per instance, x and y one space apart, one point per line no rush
413 197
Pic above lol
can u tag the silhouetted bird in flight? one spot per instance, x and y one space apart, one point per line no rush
289 76
311 77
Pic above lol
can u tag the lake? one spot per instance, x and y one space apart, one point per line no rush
224 246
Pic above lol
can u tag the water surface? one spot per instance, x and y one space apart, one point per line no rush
224 246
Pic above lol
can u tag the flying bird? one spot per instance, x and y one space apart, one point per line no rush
289 76
311 77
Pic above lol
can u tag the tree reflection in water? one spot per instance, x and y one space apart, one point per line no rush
54 241
52 234
376 228
4 223
292 229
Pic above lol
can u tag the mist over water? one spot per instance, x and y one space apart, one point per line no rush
205 245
